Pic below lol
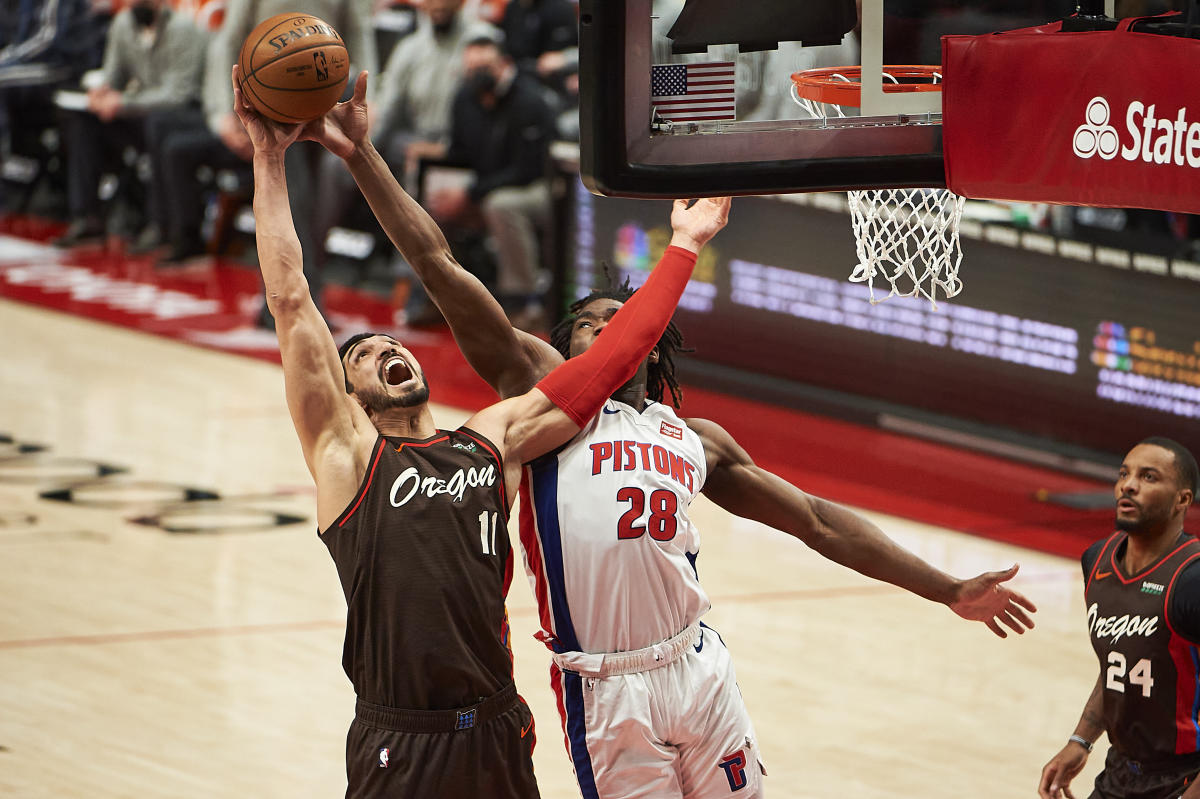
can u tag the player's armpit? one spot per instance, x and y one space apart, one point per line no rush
735 483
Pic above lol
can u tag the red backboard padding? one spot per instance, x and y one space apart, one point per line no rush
1109 118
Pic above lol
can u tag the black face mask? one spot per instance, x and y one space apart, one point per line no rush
144 14
480 81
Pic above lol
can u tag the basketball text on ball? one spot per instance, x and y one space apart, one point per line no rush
281 41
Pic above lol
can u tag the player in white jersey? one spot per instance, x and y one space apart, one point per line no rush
647 695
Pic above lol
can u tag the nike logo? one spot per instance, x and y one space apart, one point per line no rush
525 731
1102 575
700 643
606 410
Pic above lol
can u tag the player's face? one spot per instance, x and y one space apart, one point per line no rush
592 319
383 374
1147 490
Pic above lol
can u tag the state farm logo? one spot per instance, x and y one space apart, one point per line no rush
1096 135
1151 139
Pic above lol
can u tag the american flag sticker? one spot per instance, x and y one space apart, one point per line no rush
693 92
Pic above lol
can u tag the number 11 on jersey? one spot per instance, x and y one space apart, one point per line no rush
487 532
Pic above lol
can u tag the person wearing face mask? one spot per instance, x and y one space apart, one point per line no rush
502 125
410 119
153 59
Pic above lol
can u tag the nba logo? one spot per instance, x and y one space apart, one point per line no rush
383 757
321 67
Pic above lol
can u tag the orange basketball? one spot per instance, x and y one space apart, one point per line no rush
294 67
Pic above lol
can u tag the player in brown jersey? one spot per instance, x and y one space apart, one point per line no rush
415 517
1142 593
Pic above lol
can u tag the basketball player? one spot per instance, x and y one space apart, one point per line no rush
415 517
1142 592
648 697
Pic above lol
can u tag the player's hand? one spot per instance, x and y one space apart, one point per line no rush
344 127
984 599
266 135
1058 773
695 225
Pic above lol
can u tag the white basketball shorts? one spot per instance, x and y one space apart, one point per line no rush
679 731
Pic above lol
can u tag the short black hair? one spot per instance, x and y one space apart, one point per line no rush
660 377
1185 462
344 350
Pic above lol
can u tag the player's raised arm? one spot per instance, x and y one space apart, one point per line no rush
313 377
566 399
742 487
509 360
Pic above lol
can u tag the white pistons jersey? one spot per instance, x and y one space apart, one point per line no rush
609 547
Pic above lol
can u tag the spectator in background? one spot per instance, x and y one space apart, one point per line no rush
179 142
411 113
501 129
153 58
352 20
410 120
542 36
43 46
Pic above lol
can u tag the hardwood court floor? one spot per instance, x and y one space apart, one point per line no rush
140 662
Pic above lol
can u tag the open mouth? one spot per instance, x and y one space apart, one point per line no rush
396 371
1127 505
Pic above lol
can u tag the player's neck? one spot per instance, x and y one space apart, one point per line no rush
405 422
632 395
1143 549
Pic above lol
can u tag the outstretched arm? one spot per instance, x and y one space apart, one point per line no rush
321 411
740 486
509 360
563 402
1063 767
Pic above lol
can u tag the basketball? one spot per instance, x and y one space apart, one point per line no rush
294 67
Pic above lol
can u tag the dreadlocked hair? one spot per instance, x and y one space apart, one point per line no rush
660 377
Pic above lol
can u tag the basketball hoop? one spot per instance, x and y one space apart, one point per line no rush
907 236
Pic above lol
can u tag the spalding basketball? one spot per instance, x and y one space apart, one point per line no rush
294 67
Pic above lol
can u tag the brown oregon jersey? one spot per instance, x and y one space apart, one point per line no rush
1150 674
425 563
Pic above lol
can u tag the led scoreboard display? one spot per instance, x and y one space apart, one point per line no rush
1061 339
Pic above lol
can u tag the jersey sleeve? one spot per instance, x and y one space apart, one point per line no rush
1184 610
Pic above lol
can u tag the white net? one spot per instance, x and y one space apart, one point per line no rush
908 237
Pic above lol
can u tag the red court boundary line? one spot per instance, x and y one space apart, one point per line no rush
800 594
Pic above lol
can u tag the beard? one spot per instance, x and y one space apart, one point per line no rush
1147 519
377 400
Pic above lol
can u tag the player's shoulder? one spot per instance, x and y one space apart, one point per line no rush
719 445
1092 554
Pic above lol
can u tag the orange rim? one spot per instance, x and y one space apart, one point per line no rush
843 85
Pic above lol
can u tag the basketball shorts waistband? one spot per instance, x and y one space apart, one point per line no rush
608 664
431 721
1184 763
